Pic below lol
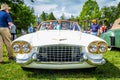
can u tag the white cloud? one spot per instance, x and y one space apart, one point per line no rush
63 9
68 7
58 14
43 7
103 3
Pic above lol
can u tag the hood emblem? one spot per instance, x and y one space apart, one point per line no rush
59 39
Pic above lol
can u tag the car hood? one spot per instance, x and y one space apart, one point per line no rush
54 37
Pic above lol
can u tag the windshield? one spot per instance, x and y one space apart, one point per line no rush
63 25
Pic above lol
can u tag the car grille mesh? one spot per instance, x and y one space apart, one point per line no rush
59 54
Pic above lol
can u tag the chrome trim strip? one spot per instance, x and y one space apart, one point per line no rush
96 61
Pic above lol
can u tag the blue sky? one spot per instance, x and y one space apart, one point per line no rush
68 7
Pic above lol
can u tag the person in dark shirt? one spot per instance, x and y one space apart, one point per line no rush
5 36
95 28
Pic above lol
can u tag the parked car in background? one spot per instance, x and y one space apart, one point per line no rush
59 44
112 36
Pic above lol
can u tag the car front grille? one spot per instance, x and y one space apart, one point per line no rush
60 53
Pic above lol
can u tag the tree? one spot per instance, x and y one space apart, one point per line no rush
72 18
51 16
43 16
22 15
12 1
89 11
110 14
118 10
62 17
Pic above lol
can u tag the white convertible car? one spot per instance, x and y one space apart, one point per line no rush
59 44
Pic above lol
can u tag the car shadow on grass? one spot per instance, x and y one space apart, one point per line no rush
106 71
115 49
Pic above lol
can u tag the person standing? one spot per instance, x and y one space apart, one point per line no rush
103 28
13 31
95 28
75 26
5 36
30 29
57 26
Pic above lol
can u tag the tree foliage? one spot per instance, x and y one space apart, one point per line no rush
90 10
22 15
110 14
118 10
62 17
43 16
73 18
11 2
51 16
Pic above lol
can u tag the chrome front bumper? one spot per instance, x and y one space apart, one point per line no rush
87 63
59 66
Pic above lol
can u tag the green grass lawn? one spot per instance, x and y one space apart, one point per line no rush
109 71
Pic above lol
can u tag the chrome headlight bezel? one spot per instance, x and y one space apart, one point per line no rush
103 47
100 47
24 47
93 47
16 48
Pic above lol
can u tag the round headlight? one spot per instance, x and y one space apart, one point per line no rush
21 47
97 47
26 48
102 48
93 48
16 48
